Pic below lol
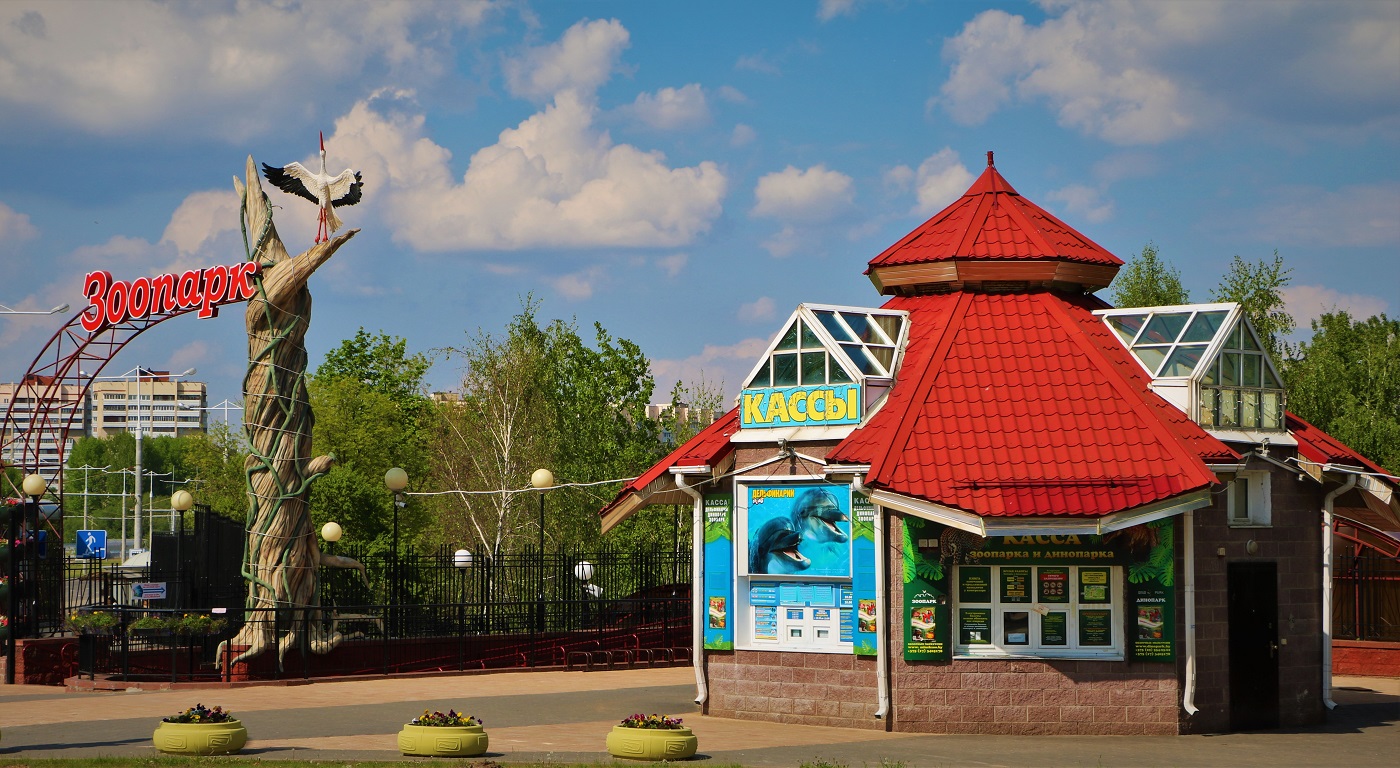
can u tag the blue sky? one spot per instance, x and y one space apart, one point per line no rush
684 174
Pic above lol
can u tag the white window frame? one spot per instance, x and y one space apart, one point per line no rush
1259 513
1035 610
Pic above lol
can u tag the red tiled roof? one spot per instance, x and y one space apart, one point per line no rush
992 221
1316 445
705 449
1022 404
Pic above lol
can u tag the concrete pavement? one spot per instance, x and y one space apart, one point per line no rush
562 716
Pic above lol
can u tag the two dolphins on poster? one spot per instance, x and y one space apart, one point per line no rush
777 546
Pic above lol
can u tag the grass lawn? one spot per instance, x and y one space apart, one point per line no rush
203 762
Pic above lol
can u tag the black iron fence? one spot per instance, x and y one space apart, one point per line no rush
1366 595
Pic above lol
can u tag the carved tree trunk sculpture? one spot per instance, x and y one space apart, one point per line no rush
281 557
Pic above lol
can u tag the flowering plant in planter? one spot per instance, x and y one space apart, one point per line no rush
151 624
652 722
201 714
440 720
197 624
94 622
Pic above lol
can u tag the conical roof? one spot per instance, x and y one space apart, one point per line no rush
992 238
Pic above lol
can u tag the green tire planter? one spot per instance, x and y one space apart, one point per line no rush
200 738
652 743
443 740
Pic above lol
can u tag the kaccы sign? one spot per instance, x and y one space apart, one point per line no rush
115 301
819 405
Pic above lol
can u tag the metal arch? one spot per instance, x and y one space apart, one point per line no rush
71 357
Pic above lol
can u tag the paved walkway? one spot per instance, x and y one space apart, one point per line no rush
523 711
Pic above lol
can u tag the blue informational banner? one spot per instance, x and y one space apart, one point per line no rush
813 406
862 622
92 545
719 572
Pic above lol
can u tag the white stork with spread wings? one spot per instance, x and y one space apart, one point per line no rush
324 190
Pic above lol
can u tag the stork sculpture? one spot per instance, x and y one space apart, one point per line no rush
326 191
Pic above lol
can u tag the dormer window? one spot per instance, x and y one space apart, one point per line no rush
831 346
1211 348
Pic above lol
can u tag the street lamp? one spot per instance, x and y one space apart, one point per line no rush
4 310
462 559
584 573
180 502
34 486
542 480
396 479
331 533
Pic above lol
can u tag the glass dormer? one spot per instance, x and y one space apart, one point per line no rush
1213 350
824 367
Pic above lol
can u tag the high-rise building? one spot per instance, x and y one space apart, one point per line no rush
159 404
21 401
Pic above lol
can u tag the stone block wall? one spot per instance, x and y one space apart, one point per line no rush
832 689
1293 542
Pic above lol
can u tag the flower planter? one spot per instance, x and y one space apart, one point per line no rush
443 740
652 743
200 738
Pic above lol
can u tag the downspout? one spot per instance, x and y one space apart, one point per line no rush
1188 696
1327 502
697 587
882 670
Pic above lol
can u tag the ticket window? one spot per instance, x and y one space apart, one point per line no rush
1041 611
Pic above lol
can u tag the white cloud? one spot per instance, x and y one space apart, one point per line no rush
1083 201
228 69
757 62
579 285
554 180
1364 215
941 179
188 356
830 9
759 309
200 218
898 179
726 365
15 226
673 264
1308 302
582 59
672 108
742 136
811 195
785 242
1140 72
732 95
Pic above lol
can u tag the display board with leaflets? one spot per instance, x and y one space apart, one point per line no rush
927 613
719 572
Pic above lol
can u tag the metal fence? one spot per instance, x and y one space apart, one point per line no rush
416 612
1366 586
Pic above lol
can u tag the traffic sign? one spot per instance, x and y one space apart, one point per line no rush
92 544
148 590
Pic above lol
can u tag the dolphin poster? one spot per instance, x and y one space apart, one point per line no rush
799 530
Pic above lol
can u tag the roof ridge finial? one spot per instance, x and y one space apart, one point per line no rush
990 164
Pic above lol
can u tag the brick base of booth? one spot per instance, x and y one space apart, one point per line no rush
960 697
1356 657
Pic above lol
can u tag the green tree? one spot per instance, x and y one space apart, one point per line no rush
215 462
1258 287
540 396
369 406
1148 281
1346 381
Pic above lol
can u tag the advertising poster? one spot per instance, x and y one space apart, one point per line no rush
1052 585
975 626
1015 585
799 530
927 614
1094 585
1054 627
974 584
1152 599
862 634
1096 627
719 572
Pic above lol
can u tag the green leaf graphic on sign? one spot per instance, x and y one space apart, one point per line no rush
862 530
928 570
716 532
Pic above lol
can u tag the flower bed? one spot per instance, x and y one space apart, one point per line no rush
200 731
651 737
438 734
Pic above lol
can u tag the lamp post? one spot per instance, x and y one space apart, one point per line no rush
541 479
34 486
331 533
584 573
462 558
180 503
396 479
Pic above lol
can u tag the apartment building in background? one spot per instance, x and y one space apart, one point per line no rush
153 401
21 401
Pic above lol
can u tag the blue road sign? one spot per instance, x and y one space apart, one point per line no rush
92 544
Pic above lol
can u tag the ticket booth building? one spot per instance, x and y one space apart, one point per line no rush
994 504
